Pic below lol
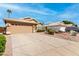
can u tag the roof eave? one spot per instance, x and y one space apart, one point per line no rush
19 21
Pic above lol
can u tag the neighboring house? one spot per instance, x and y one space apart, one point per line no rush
40 26
23 25
72 28
59 26
2 29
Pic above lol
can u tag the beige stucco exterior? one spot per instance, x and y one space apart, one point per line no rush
20 26
20 29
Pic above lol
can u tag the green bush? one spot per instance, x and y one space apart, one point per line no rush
2 44
73 33
40 30
50 31
69 22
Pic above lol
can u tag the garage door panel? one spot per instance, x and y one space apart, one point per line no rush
20 29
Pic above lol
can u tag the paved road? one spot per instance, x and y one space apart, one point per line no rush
38 44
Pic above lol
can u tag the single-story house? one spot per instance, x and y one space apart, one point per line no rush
59 26
22 25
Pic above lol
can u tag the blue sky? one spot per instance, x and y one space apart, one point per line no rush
43 12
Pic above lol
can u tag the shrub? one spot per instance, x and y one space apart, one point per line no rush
69 22
50 31
73 33
2 44
40 30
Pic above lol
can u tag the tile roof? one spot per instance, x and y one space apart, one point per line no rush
20 20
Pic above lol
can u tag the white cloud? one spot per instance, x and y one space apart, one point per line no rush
0 15
10 6
0 18
73 8
70 12
42 10
68 15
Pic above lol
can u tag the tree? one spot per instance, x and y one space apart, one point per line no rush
69 22
9 11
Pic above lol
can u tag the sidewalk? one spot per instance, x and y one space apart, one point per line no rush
8 50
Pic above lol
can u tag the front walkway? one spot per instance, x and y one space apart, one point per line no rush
8 50
33 44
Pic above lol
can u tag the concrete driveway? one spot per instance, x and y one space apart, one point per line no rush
33 44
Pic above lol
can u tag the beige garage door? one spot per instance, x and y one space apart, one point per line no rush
20 29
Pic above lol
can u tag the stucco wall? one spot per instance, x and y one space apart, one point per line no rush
1 30
20 26
20 29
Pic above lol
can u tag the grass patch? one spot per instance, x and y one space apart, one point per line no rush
2 44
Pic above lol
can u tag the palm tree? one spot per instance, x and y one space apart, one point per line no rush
9 11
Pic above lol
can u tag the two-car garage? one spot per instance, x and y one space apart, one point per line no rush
17 26
20 29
